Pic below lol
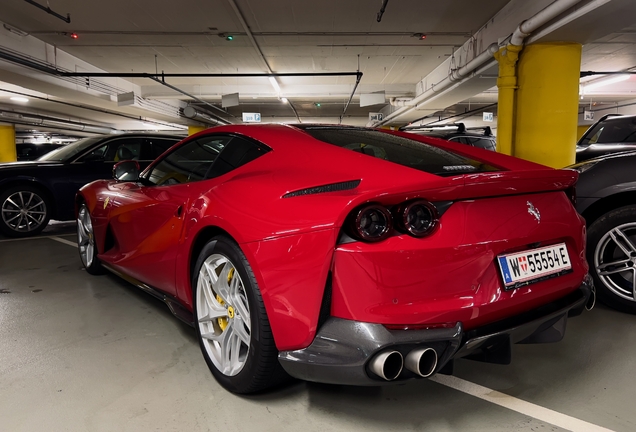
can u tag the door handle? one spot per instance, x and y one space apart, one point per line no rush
179 211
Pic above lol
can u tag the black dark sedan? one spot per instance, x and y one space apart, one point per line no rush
607 200
32 193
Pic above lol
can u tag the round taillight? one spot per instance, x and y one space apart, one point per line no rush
372 223
418 218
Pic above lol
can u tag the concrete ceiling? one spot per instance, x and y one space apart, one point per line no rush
188 36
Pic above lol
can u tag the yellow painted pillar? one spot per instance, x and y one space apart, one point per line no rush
195 129
546 112
506 84
7 144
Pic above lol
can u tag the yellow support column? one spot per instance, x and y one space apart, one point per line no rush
7 144
506 84
195 129
547 103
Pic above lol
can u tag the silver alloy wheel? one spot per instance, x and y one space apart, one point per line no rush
615 260
223 314
85 237
23 211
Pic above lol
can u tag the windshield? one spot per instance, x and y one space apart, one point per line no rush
611 131
69 151
403 151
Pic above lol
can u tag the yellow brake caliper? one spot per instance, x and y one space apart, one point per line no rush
230 310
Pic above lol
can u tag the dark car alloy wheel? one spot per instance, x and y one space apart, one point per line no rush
231 322
24 211
613 249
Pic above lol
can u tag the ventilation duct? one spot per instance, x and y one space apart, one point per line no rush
191 113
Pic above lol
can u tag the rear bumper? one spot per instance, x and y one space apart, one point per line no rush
342 349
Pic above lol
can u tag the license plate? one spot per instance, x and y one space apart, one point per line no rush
534 265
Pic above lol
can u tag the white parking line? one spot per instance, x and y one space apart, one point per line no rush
492 396
24 238
61 240
518 405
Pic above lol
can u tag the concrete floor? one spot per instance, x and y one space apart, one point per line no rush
85 353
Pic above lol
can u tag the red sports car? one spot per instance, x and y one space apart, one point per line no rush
341 254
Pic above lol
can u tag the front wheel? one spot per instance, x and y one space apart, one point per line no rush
24 211
231 321
86 242
612 255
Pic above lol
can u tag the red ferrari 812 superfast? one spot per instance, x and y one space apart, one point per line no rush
341 254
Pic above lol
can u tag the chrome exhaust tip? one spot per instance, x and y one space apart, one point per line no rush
387 365
421 361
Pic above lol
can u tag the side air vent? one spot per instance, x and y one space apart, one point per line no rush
333 187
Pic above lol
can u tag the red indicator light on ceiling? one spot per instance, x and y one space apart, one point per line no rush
74 36
422 37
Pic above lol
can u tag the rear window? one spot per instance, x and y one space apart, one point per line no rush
403 151
617 130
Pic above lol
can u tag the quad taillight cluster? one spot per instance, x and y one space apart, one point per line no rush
374 222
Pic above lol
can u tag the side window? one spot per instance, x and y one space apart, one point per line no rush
236 153
115 151
484 143
97 154
188 162
463 140
158 146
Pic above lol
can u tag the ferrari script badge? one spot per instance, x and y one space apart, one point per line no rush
533 211
108 199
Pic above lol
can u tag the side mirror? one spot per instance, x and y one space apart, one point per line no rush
126 171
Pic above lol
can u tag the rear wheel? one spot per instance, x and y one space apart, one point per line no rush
231 321
86 242
612 255
24 211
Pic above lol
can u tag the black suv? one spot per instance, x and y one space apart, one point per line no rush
458 132
606 198
613 133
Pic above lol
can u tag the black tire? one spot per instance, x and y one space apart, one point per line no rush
608 287
86 238
261 369
10 205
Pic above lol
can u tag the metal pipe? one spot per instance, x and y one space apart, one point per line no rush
219 119
355 87
34 119
194 75
255 34
522 31
249 34
50 11
291 105
540 18
100 110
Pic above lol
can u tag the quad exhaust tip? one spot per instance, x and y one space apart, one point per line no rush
387 365
421 361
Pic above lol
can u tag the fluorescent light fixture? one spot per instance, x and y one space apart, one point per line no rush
284 100
19 99
605 81
274 83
